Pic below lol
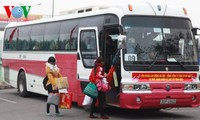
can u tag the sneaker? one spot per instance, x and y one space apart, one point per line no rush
104 117
59 114
48 114
92 116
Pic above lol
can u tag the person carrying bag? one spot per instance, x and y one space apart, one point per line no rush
96 75
52 72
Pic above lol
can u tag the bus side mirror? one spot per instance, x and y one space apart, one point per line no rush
121 42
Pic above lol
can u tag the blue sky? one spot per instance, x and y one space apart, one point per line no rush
45 7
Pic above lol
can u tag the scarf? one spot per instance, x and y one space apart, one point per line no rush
53 68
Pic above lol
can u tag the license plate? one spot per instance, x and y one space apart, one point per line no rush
167 101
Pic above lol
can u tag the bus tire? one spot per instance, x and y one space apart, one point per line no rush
21 85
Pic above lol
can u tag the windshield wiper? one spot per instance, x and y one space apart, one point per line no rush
181 64
155 60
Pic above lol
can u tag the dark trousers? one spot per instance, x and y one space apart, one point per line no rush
100 98
50 90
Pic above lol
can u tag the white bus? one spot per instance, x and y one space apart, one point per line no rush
1 42
158 66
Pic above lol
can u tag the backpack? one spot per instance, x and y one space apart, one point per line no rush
45 82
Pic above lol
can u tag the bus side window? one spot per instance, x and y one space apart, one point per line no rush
88 47
36 46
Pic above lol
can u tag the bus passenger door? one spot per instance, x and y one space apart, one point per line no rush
88 50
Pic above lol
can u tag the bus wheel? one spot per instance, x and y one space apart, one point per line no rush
22 90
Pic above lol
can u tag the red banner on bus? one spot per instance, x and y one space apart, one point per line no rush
164 77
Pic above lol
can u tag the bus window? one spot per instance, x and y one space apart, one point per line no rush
37 35
24 38
88 47
51 35
68 35
10 39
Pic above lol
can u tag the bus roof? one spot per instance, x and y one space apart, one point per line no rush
133 8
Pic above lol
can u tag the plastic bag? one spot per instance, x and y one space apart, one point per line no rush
87 101
103 85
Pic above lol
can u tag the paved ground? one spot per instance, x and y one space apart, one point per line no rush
4 85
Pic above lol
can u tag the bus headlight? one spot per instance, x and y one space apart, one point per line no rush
191 86
135 87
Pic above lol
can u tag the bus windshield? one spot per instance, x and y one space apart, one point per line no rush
158 41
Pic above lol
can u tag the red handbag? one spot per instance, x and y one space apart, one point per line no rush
65 100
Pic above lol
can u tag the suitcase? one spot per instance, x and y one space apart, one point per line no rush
65 100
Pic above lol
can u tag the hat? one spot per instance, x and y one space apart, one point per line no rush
51 59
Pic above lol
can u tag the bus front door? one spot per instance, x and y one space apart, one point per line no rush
87 52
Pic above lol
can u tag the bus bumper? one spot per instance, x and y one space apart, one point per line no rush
159 100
